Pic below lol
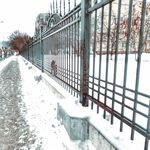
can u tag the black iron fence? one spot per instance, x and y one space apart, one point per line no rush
98 52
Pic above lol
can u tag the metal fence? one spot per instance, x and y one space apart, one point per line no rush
96 51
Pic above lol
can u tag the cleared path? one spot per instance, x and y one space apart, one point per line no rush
14 132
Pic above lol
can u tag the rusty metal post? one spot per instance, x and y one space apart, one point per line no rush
85 51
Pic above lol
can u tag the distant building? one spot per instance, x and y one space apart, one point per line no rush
41 22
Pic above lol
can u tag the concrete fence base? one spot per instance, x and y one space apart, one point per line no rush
79 127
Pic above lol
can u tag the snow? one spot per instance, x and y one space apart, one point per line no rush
5 62
124 138
131 73
41 113
118 139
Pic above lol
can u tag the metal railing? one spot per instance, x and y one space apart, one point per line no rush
82 51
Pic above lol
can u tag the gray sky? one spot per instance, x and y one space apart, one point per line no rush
20 15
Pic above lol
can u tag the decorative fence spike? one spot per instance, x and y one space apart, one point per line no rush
148 130
50 8
60 7
75 3
69 4
53 7
64 7
56 7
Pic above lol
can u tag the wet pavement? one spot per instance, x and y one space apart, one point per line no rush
14 132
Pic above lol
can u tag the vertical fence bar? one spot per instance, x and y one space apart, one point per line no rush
75 3
74 52
116 57
64 54
60 8
148 129
78 53
85 51
32 52
28 53
107 57
65 32
61 57
50 12
41 50
94 52
64 7
69 54
140 49
69 5
126 62
53 7
56 7
100 54
72 45
67 45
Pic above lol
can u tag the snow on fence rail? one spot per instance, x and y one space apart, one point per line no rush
86 45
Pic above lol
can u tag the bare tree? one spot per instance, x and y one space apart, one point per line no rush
19 40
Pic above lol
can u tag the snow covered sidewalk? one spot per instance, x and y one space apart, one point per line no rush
28 112
14 132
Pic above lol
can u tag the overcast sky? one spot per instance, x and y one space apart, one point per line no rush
20 15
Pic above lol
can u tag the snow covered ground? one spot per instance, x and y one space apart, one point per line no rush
121 140
39 109
144 87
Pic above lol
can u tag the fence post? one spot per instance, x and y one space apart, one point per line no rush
85 51
28 53
32 52
41 49
148 130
